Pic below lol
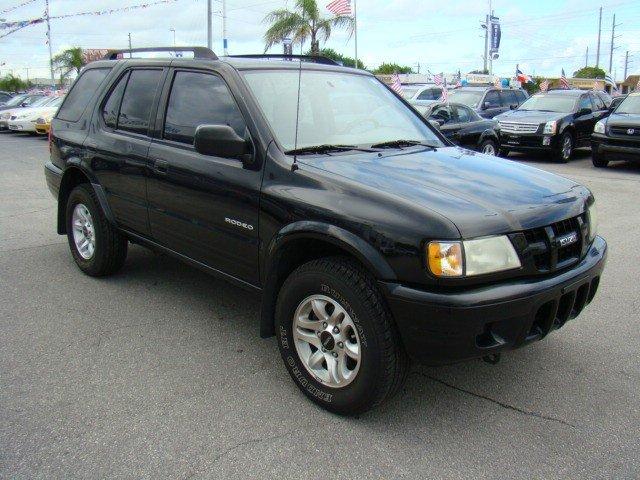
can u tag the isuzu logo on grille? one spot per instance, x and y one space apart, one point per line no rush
567 239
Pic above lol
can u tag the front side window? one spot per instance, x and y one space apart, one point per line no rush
81 93
597 101
138 100
335 108
508 98
200 99
463 113
492 99
585 103
442 114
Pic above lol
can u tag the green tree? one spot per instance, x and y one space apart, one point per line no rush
303 23
390 68
69 60
12 83
589 72
480 72
338 57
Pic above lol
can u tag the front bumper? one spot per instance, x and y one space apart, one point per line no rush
523 142
439 328
22 126
615 148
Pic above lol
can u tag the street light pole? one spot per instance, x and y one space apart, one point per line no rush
46 12
209 33
174 35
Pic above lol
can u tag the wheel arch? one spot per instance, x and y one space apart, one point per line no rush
73 176
304 241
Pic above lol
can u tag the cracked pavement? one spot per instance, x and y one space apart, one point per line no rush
159 372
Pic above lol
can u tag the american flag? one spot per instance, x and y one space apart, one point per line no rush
396 86
564 83
438 78
445 95
638 85
340 7
544 85
497 82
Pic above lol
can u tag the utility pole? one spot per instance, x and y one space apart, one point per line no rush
599 32
27 69
129 44
586 58
209 32
487 31
46 14
355 30
224 28
626 64
613 38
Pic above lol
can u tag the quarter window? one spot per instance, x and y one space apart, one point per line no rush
199 99
138 100
112 105
81 93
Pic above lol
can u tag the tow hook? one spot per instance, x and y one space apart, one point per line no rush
492 358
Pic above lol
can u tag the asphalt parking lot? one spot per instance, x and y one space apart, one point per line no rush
159 372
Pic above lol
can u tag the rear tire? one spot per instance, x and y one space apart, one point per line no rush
96 246
353 321
504 152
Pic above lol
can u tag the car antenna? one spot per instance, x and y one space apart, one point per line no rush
294 165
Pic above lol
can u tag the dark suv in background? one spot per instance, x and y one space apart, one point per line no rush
557 121
370 239
489 101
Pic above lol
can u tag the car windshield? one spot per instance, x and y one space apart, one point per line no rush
549 103
335 108
40 102
630 105
466 97
53 102
409 92
17 100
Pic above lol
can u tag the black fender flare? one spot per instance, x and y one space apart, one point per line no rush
489 135
351 243
68 181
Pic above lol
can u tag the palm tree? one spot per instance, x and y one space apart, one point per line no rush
302 24
68 61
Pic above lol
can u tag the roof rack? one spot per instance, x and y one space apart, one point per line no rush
280 56
198 52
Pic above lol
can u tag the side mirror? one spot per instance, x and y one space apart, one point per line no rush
24 104
220 141
486 105
435 124
513 106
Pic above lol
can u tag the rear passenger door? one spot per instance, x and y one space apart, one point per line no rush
201 206
121 142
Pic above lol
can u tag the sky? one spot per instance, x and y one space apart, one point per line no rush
542 36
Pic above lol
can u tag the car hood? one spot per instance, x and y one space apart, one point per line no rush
624 120
480 194
529 116
34 112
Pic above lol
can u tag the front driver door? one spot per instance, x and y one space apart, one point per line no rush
201 206
584 119
448 126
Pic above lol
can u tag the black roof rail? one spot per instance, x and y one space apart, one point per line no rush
280 56
198 52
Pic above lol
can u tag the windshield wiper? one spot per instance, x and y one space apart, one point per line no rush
326 149
402 143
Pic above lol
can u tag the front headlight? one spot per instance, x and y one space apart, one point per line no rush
592 215
481 256
599 128
550 128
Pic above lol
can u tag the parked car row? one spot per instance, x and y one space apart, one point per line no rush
34 117
555 122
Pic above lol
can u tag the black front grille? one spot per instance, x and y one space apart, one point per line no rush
624 131
553 247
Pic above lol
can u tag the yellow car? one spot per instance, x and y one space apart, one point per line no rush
43 125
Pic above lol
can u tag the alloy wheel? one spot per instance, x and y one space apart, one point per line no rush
327 341
83 231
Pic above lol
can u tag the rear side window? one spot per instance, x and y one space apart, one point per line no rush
138 100
199 99
80 95
112 105
508 98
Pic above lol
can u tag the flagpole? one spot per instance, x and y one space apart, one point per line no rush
53 79
355 29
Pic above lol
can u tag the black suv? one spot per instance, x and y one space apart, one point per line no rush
617 137
369 237
489 101
557 122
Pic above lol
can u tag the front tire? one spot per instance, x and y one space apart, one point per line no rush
489 147
96 246
337 338
598 159
565 149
